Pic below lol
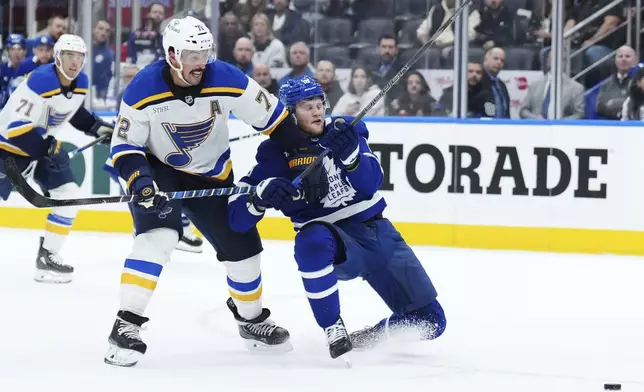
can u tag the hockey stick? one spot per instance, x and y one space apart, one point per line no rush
234 139
77 151
40 201
389 85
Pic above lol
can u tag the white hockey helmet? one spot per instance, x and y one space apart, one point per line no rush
69 43
190 40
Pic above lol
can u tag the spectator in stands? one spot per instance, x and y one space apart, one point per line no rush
230 30
268 49
592 36
495 29
614 91
437 15
540 28
247 11
288 25
388 65
56 26
416 99
299 56
144 45
262 75
633 108
360 92
480 102
103 59
325 75
243 55
492 84
537 104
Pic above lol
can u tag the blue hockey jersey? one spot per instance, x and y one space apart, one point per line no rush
352 195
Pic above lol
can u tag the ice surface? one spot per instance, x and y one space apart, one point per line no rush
517 321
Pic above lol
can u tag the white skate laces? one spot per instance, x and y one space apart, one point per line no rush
264 328
54 259
129 330
336 332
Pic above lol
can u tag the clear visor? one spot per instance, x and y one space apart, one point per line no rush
72 56
197 57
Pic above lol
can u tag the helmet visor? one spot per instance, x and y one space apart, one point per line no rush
196 57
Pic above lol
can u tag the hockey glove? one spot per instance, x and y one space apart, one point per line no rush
343 140
315 185
101 128
151 199
56 158
275 192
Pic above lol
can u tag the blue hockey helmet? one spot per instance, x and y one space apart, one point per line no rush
301 89
14 40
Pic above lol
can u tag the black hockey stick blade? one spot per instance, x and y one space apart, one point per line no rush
37 200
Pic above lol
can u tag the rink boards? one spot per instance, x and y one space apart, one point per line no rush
556 186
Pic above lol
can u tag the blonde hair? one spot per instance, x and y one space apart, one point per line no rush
260 16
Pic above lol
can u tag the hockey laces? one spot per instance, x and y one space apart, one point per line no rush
336 332
264 328
129 330
53 258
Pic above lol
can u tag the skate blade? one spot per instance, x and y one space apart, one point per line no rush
189 248
260 347
46 276
345 360
121 356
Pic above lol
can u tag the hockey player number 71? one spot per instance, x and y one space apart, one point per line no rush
24 103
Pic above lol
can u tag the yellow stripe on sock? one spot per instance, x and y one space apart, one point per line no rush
56 229
247 297
138 281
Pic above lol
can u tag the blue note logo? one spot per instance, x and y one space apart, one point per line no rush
54 118
187 137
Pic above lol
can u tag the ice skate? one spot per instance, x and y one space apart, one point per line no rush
126 346
338 339
369 337
190 242
50 267
261 333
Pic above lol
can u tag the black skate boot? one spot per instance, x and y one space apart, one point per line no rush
126 346
261 332
50 267
190 242
338 339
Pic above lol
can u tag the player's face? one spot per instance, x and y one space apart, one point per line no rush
194 63
44 53
71 62
16 54
310 116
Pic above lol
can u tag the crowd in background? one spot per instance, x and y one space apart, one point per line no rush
318 37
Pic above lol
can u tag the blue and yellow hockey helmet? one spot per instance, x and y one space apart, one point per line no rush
301 89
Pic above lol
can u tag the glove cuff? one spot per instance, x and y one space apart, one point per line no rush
352 158
253 207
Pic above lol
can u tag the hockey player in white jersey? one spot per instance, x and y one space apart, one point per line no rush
172 135
51 96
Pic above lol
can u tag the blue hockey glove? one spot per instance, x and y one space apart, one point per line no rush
275 192
56 158
151 199
101 128
315 185
343 140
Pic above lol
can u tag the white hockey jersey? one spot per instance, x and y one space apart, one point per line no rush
190 133
39 105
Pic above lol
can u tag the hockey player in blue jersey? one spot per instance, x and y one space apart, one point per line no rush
43 54
172 135
52 96
15 47
341 232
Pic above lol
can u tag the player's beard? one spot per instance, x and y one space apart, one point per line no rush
195 75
